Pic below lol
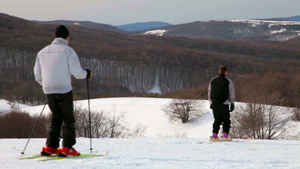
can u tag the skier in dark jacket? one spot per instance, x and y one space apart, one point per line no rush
52 70
221 95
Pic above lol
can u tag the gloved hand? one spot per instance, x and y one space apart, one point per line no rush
231 107
89 73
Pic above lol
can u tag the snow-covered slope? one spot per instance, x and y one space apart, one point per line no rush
7 106
160 153
148 112
160 148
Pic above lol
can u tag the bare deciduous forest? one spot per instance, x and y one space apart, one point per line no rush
130 65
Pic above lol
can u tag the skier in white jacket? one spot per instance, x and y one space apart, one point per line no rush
53 69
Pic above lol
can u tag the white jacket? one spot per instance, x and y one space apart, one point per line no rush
54 66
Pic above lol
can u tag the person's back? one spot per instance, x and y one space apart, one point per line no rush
59 61
219 89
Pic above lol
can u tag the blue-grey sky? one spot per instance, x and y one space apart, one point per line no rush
118 12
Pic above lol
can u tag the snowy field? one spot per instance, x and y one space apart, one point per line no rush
159 148
160 153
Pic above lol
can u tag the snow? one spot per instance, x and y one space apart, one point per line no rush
161 153
260 22
160 148
6 105
278 31
156 32
155 88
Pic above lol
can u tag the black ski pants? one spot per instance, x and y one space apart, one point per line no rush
61 106
222 117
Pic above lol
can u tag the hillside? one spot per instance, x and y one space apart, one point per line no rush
131 65
235 29
164 145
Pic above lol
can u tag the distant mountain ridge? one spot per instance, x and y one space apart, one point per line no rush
82 23
291 18
233 29
141 26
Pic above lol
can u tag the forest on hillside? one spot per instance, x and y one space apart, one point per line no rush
129 65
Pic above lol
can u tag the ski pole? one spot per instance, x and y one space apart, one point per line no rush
90 125
34 126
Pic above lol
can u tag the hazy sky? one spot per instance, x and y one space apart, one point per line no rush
118 12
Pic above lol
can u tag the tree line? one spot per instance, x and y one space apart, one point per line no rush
120 78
